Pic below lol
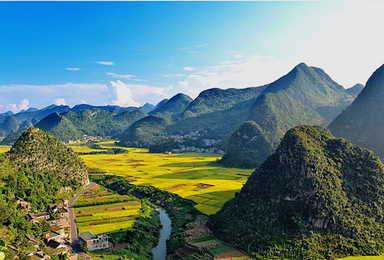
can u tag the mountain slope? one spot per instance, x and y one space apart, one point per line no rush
91 121
60 127
306 95
247 147
172 109
316 197
144 132
362 122
355 90
215 99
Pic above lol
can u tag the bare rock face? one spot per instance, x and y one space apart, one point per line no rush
316 197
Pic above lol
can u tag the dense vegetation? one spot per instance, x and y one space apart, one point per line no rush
36 168
91 121
247 148
316 197
144 132
172 109
181 211
362 122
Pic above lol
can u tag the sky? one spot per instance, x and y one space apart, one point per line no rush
132 53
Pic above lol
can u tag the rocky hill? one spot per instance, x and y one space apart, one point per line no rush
315 197
362 122
247 147
37 167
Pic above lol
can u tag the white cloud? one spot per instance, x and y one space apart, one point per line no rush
73 69
240 73
121 94
17 108
129 77
173 75
238 56
108 63
189 68
194 84
60 101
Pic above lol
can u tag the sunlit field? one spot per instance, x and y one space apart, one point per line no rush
4 148
380 257
101 211
191 175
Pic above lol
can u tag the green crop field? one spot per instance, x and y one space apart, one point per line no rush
4 148
107 216
380 257
193 176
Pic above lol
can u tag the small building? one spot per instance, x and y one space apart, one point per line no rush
93 242
52 235
23 205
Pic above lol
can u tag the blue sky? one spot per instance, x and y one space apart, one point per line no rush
130 53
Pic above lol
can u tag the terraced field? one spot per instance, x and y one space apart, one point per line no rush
101 211
191 175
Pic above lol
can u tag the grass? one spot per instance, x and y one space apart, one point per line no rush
4 148
108 217
380 257
191 175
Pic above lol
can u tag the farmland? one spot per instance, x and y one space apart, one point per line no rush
191 175
101 211
4 148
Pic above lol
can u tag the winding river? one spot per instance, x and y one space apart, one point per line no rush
160 251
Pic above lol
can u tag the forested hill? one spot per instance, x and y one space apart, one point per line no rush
316 197
306 95
247 148
172 108
91 121
362 123
37 167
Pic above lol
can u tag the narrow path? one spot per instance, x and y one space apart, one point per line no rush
74 239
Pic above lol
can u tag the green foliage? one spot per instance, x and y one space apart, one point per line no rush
165 145
316 197
181 211
247 148
361 122
144 132
173 108
92 121
306 95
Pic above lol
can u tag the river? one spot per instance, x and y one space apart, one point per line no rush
160 251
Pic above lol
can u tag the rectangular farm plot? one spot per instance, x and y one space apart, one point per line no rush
188 174
102 211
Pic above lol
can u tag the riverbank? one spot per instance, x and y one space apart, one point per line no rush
160 251
190 236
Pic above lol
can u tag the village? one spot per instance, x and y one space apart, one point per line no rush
57 239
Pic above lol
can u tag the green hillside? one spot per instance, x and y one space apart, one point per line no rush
247 148
362 122
306 95
173 108
316 197
215 99
144 132
92 121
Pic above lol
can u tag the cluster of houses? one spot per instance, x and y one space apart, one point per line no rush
57 239
193 149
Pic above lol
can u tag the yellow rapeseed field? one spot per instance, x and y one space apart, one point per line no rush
191 175
4 148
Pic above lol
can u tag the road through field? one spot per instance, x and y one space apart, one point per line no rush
74 239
